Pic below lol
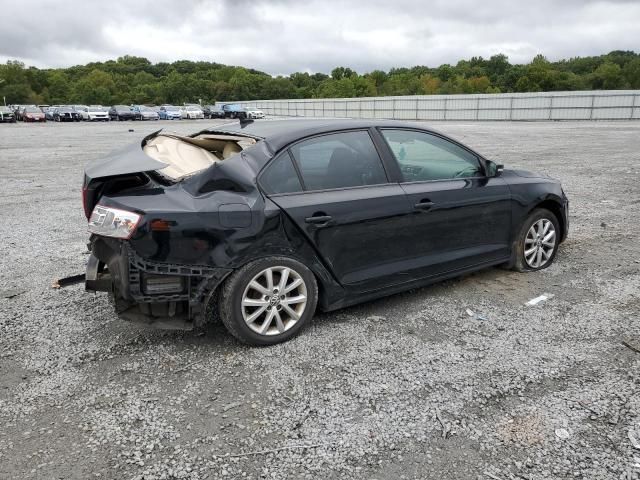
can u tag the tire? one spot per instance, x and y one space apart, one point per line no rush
538 219
240 286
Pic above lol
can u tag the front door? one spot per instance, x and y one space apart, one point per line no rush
460 217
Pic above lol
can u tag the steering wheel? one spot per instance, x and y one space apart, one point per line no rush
466 171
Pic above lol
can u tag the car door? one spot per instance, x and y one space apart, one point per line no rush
343 203
460 217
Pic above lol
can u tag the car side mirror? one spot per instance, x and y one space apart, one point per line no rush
494 169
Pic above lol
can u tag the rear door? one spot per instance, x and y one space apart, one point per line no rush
342 201
460 217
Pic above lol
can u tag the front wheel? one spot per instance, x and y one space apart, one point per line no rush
537 242
268 301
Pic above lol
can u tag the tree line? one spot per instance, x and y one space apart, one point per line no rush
135 80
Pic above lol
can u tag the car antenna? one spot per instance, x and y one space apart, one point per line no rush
244 121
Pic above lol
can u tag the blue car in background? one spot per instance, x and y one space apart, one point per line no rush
170 112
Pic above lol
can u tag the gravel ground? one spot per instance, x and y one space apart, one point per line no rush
410 386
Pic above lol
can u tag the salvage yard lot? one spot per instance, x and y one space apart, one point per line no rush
410 385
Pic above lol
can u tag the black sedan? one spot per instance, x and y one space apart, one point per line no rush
211 111
122 112
65 114
269 221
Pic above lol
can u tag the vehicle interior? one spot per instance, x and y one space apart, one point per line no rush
188 155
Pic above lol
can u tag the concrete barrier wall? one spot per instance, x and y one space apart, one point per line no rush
582 105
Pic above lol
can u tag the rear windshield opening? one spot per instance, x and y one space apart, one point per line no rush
186 156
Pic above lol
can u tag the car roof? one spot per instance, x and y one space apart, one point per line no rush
280 133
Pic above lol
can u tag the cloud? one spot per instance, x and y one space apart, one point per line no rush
283 36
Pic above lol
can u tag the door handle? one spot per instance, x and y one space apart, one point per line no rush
318 219
424 204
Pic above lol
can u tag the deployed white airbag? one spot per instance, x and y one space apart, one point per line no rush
183 158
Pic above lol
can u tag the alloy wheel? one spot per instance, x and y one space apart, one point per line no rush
540 243
274 300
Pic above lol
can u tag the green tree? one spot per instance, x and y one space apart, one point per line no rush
59 87
131 79
96 88
631 72
607 76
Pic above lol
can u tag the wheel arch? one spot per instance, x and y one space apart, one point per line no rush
555 207
328 288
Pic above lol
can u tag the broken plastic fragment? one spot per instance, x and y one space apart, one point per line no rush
541 298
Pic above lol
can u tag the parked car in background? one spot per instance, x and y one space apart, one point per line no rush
254 113
32 114
192 112
325 213
95 113
78 108
48 112
145 113
233 110
65 114
213 111
218 112
18 111
170 112
122 112
7 115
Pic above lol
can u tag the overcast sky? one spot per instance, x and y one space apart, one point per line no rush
284 36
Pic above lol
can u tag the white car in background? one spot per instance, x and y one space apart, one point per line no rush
94 112
192 112
254 113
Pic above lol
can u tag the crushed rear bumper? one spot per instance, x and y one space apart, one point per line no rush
154 293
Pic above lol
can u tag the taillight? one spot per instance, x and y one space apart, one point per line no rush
113 222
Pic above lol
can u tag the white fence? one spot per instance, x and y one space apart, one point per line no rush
582 105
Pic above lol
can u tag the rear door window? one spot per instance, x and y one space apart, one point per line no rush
280 176
339 160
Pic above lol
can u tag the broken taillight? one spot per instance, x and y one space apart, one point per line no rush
113 222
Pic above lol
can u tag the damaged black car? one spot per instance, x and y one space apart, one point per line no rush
264 223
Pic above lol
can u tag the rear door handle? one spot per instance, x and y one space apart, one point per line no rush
424 205
318 219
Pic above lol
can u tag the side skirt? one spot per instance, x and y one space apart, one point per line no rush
403 287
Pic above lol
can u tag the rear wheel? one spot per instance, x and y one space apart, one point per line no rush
537 242
268 301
